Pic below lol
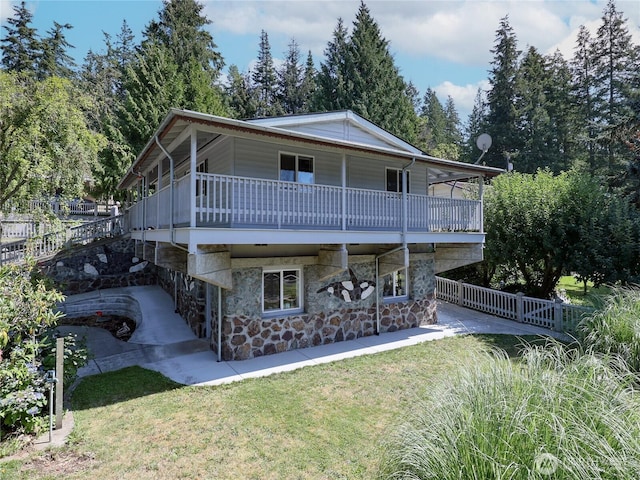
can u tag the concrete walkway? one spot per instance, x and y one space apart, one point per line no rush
163 342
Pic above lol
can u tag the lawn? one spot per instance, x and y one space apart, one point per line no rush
321 422
575 290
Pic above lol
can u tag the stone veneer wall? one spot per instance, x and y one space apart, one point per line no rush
327 317
107 265
189 295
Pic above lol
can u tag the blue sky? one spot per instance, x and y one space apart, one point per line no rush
441 44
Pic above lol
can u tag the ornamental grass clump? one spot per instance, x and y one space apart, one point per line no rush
614 328
557 414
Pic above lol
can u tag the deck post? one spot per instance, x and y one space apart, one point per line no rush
558 323
460 292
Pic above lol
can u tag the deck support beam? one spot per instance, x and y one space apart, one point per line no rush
211 264
394 261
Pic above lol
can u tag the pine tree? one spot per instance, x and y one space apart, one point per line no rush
290 77
615 66
376 90
501 99
435 122
475 126
240 95
533 117
20 47
331 93
583 86
309 85
265 80
54 61
452 132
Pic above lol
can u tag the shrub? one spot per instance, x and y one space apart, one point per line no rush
614 328
27 317
557 414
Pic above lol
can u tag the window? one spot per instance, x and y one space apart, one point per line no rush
281 290
394 180
395 284
201 186
296 168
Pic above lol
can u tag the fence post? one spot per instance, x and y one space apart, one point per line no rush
520 307
558 320
460 293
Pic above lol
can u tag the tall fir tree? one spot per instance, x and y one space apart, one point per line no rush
265 80
309 85
582 92
534 123
332 79
614 58
452 131
501 98
240 96
290 77
475 126
435 121
376 90
54 61
20 46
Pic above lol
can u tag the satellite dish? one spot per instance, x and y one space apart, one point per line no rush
484 142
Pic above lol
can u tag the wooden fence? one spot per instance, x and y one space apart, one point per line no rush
47 245
554 315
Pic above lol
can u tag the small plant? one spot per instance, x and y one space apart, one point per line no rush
614 328
559 414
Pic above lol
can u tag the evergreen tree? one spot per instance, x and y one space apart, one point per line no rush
331 93
562 115
501 100
583 86
265 80
54 61
533 119
290 77
476 125
452 132
376 90
615 66
240 95
20 46
308 86
435 122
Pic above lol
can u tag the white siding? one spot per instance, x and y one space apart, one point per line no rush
342 130
370 174
220 157
260 160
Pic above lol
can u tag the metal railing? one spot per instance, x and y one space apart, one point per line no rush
552 314
49 244
228 201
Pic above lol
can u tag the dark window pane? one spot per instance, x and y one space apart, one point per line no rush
305 170
287 168
271 282
392 180
290 294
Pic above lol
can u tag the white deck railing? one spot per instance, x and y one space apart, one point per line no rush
554 315
47 245
226 201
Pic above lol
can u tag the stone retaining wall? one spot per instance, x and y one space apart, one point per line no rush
106 265
189 296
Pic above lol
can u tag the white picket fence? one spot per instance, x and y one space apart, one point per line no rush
554 315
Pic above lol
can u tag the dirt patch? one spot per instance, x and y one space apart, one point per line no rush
59 464
120 327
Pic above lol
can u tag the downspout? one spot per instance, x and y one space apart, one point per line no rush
171 182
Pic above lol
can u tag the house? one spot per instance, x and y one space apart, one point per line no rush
282 233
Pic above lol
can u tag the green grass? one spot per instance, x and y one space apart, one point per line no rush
575 290
322 422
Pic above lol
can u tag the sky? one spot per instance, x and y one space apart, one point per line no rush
444 45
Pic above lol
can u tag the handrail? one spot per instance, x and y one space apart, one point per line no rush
49 244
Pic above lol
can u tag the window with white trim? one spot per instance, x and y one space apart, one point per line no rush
395 284
281 290
394 180
296 168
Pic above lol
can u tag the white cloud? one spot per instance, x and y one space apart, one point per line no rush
463 95
6 11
